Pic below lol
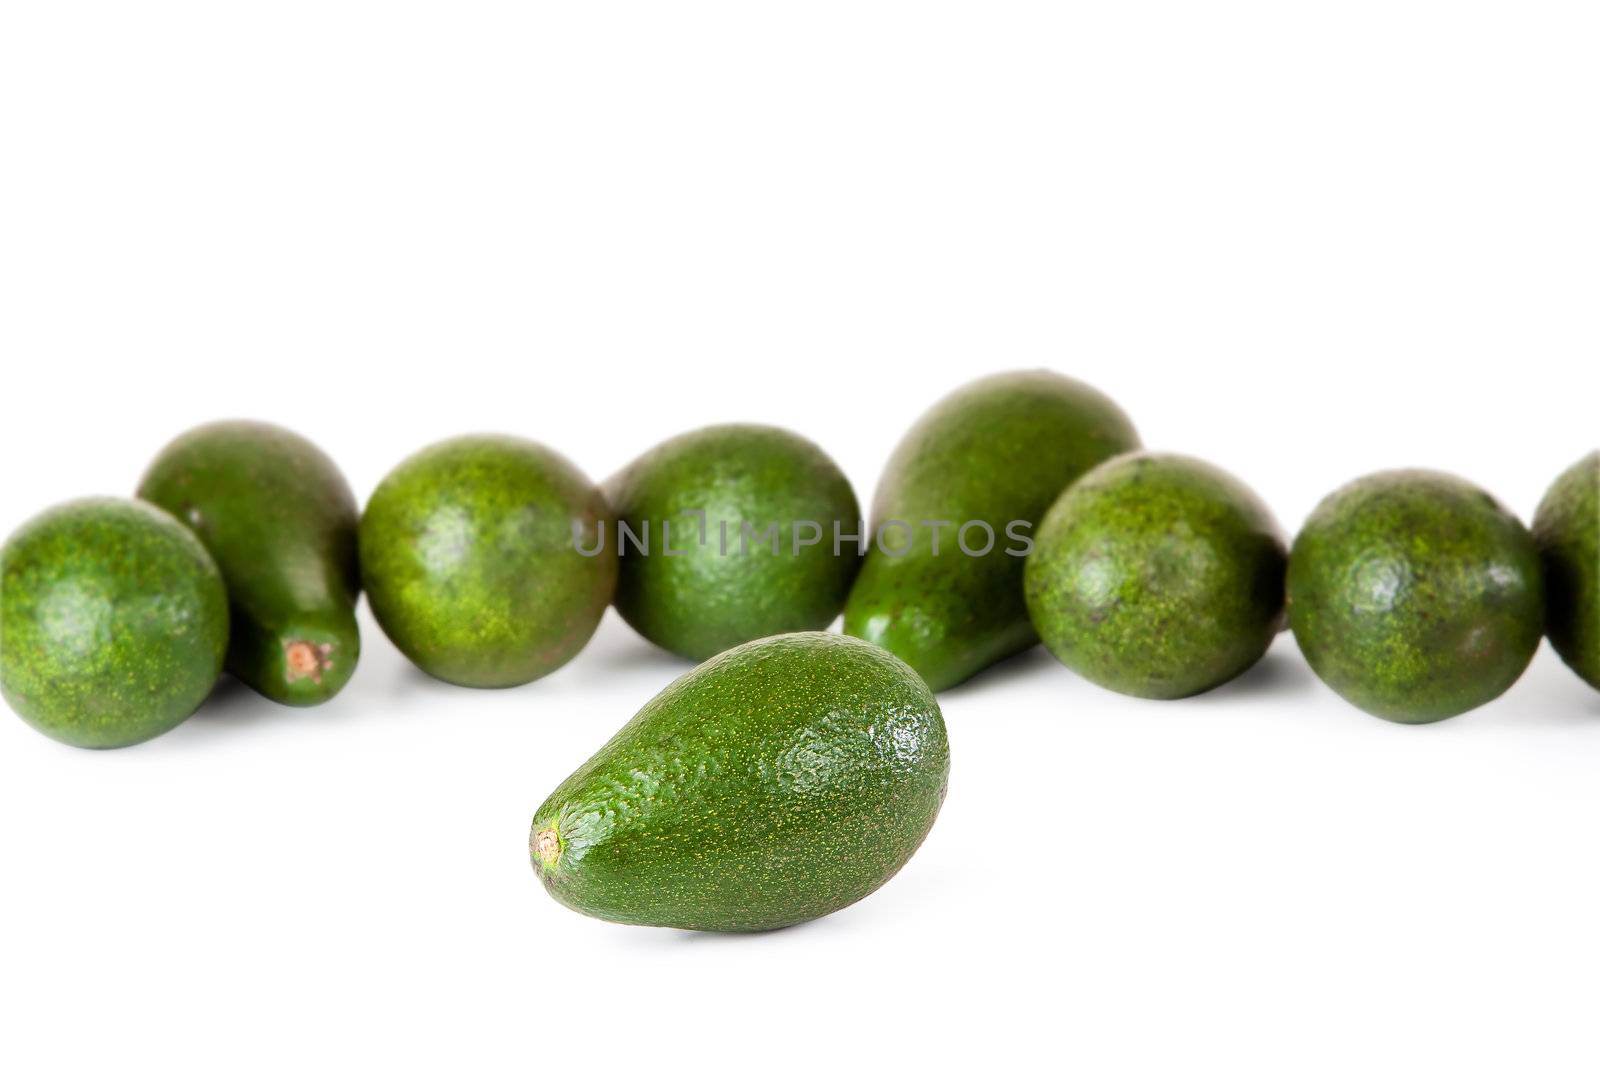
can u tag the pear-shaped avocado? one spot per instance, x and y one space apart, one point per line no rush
1415 595
113 622
751 513
954 513
775 783
476 559
1158 576
280 520
1567 530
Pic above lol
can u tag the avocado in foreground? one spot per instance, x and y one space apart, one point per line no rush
1157 575
280 521
751 513
470 555
113 622
773 784
1567 530
954 516
1415 595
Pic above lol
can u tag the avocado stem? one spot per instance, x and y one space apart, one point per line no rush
305 659
548 844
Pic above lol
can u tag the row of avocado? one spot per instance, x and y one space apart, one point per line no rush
786 776
485 559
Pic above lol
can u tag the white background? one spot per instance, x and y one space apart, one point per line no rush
1304 241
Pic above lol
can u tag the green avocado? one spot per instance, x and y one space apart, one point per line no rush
474 555
751 512
1158 576
941 586
1415 595
775 783
113 622
280 521
1567 530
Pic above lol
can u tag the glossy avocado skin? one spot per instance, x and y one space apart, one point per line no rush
1415 595
280 521
708 599
1157 575
997 450
113 622
469 562
778 782
1567 530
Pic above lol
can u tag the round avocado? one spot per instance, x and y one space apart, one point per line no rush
1415 595
1157 575
751 512
475 559
1567 530
113 622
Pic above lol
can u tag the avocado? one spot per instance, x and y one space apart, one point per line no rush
941 586
474 558
1157 575
751 512
280 521
775 783
113 622
1415 595
1567 530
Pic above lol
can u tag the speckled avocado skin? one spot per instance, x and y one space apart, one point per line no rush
469 562
113 622
1415 595
778 782
280 521
1567 530
1157 575
997 450
733 588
